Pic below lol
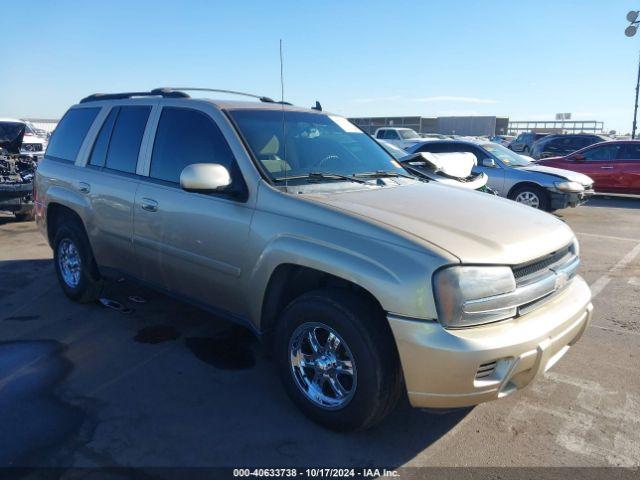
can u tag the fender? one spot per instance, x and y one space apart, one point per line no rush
399 284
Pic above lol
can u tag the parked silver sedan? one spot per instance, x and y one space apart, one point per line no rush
516 177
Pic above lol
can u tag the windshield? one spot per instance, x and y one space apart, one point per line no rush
315 143
506 156
408 134
10 131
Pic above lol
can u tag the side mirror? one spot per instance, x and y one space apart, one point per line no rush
489 163
578 157
205 178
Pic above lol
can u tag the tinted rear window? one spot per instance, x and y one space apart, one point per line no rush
126 138
70 132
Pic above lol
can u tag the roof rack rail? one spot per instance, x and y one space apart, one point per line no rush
156 92
217 90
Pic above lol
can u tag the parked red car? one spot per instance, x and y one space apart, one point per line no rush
614 166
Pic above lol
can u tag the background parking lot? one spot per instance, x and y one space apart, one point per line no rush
165 384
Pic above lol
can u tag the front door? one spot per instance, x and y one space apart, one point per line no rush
191 244
599 164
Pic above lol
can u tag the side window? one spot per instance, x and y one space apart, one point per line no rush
392 135
630 151
99 152
122 154
602 153
184 137
70 132
381 134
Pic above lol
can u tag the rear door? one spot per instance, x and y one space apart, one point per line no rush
628 169
110 184
191 244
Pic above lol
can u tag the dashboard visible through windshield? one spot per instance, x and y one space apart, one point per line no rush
294 145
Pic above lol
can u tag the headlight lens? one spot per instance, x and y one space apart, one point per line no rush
456 288
569 186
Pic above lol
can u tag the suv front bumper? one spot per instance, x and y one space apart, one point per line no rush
448 368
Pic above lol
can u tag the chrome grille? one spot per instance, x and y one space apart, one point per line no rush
541 266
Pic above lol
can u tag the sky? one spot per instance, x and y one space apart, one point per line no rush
527 60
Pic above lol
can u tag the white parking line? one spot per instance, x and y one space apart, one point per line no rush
603 281
610 237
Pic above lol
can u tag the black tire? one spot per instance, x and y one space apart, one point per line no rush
543 197
89 285
364 328
27 216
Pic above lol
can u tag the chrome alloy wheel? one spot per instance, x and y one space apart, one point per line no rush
69 263
322 365
528 198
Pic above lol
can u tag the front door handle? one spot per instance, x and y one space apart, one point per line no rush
149 204
84 187
606 168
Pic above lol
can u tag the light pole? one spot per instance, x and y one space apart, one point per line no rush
630 31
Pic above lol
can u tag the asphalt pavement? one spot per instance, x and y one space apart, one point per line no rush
162 383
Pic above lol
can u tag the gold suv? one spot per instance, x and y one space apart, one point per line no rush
367 283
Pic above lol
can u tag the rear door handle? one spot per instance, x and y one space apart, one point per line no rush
149 204
84 187
606 168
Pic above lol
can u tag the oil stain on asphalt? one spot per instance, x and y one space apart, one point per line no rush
157 334
32 418
228 351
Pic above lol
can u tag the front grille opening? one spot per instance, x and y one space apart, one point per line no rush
486 370
530 269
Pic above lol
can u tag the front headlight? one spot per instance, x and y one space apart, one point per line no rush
569 186
461 293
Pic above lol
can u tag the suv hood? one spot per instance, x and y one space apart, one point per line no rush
475 227
560 172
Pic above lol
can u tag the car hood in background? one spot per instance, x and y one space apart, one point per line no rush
560 172
473 226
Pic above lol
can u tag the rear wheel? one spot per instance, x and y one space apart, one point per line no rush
74 263
337 359
531 195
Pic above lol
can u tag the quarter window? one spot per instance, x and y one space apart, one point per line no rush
70 132
99 152
122 154
185 137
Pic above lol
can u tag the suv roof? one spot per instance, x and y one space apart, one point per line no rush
265 103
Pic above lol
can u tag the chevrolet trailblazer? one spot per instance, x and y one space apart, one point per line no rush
367 283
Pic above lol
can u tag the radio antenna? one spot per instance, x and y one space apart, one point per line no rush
284 127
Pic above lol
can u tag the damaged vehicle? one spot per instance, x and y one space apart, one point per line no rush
454 169
16 172
515 177
366 283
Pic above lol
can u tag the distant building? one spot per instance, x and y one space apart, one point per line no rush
445 125
556 126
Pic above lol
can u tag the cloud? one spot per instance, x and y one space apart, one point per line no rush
449 98
438 98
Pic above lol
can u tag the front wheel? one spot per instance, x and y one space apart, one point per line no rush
337 359
532 196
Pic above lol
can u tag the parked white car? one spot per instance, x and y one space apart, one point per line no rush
400 137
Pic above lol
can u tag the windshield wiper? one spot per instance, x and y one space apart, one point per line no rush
321 176
382 173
